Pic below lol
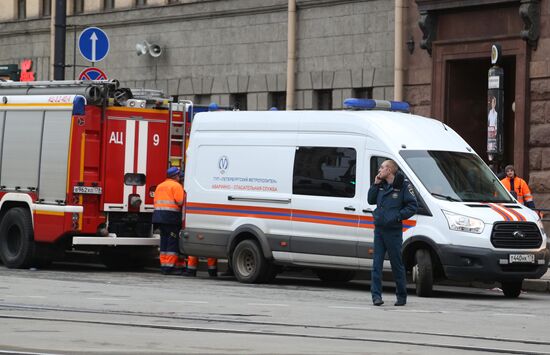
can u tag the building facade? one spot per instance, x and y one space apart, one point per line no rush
226 51
234 52
447 76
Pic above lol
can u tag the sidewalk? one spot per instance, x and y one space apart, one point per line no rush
540 285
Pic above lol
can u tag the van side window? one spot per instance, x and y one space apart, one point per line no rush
375 163
324 171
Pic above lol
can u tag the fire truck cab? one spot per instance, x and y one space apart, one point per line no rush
79 164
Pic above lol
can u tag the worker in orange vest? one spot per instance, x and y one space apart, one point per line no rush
167 216
193 261
193 264
517 187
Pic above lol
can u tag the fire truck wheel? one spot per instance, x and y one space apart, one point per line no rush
248 262
17 238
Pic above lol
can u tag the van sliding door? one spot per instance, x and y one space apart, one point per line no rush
325 201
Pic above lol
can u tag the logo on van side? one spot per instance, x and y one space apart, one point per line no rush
223 164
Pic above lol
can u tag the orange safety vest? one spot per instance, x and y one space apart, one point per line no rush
521 189
168 202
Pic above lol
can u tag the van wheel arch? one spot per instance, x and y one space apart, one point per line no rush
249 231
421 242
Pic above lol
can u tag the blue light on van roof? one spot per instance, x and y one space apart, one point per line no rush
370 104
213 106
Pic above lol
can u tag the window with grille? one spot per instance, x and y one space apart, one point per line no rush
78 6
21 9
238 101
277 99
322 100
46 9
108 4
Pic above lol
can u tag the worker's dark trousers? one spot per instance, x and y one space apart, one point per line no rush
388 241
170 259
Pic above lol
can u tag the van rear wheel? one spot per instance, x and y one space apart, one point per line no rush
17 238
248 262
512 289
423 273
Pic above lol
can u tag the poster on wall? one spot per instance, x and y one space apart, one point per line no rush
495 106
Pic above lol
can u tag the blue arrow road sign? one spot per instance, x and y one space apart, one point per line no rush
93 44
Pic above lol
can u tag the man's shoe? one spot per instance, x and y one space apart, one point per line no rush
378 302
400 303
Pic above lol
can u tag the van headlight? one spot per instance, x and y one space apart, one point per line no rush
541 226
458 222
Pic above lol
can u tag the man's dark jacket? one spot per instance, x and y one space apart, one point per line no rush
395 203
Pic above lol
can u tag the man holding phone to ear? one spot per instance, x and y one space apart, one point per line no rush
395 201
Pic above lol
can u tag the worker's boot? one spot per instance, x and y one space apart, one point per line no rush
213 272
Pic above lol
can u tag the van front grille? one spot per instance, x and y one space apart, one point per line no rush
516 235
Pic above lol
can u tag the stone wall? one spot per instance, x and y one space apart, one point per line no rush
539 135
212 49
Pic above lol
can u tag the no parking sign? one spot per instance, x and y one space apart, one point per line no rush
92 74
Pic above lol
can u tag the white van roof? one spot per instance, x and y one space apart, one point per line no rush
393 129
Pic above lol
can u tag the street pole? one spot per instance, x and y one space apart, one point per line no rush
59 39
291 55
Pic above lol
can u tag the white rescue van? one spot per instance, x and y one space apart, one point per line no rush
289 188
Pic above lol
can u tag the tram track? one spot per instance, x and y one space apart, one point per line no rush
213 324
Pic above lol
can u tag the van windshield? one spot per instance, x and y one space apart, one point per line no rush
456 176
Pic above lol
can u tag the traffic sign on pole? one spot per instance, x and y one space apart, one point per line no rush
92 74
93 44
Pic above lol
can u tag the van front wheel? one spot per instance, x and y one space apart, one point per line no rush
512 289
249 265
423 273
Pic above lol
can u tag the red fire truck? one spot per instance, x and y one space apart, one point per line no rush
79 164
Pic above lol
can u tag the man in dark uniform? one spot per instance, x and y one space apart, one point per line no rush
395 201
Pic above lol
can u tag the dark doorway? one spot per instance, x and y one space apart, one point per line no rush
466 102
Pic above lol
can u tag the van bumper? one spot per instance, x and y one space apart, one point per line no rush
479 264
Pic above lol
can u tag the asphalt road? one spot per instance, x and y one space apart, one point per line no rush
82 309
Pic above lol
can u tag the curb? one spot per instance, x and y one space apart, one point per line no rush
533 285
536 285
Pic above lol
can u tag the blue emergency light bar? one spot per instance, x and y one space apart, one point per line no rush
370 104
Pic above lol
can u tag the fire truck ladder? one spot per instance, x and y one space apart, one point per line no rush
95 91
177 131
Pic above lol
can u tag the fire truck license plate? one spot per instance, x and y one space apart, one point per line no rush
522 258
89 190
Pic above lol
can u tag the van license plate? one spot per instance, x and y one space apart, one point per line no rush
522 258
87 190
